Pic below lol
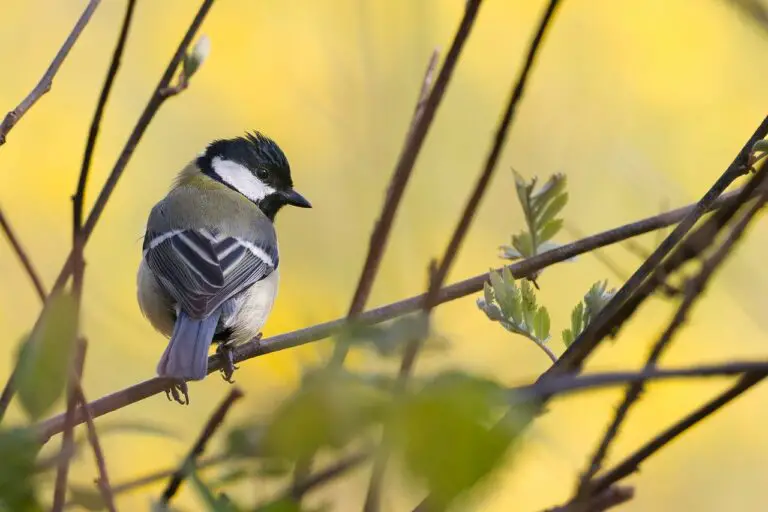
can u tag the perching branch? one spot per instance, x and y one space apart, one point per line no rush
23 257
150 387
214 422
158 98
44 85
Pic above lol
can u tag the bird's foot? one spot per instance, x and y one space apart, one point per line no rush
176 390
228 361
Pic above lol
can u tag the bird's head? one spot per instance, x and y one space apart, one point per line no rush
254 166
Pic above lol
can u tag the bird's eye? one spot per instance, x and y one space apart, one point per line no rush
262 174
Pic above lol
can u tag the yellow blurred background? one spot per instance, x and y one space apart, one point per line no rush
642 103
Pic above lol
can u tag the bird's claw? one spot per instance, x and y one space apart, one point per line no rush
176 390
228 362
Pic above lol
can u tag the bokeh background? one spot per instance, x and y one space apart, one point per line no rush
642 103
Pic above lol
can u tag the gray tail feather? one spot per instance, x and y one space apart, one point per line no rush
186 356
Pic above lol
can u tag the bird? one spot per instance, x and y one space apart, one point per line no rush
209 268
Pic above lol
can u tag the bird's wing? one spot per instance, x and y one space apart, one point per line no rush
202 269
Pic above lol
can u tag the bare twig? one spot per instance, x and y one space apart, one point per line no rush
189 463
44 85
93 438
609 498
67 440
693 292
93 133
440 273
571 383
631 463
395 191
21 254
157 99
298 489
606 321
150 387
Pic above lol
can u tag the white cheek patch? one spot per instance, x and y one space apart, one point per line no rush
241 179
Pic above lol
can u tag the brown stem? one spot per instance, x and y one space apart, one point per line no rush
150 387
44 85
67 440
214 422
93 438
23 257
155 102
693 292
440 273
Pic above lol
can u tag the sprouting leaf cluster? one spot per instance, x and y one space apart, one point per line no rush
540 209
514 307
585 311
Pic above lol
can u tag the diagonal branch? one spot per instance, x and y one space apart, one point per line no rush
44 85
157 99
190 461
520 269
440 273
694 289
631 463
23 257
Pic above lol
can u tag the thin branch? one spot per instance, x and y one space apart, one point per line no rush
567 384
21 254
67 440
520 269
631 463
214 422
607 499
440 273
93 132
298 489
423 114
395 191
93 438
694 290
605 321
157 99
44 85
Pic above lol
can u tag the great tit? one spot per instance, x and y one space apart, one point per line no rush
209 272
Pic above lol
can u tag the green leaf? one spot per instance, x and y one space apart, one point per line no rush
550 229
328 410
523 244
596 299
87 498
551 189
529 304
567 338
577 319
45 359
446 433
18 451
488 293
212 503
510 253
541 324
552 209
284 505
245 441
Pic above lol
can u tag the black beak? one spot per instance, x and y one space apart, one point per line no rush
295 199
